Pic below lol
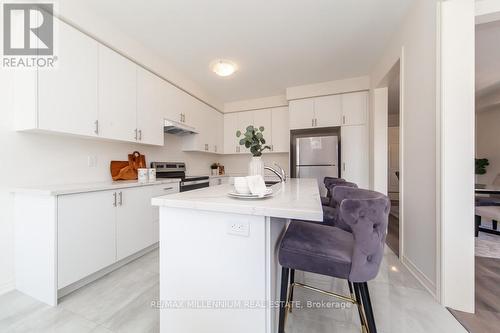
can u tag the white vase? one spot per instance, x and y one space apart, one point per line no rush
256 166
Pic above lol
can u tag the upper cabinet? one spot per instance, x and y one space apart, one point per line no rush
151 105
301 113
329 111
117 96
280 133
355 108
68 95
274 121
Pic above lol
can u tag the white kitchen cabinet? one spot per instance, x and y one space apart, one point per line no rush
117 96
264 118
67 94
85 235
67 237
354 154
230 127
328 111
134 221
355 108
150 107
280 131
301 113
243 120
209 125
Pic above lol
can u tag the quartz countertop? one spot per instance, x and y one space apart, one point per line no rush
63 189
295 199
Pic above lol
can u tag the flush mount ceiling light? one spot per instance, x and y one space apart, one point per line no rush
223 67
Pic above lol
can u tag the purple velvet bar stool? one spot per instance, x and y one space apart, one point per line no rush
354 256
328 181
330 211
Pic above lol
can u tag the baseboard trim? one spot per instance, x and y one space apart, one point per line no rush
97 275
7 286
429 285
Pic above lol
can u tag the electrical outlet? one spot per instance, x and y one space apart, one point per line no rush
240 228
92 161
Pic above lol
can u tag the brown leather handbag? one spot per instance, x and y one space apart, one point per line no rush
127 170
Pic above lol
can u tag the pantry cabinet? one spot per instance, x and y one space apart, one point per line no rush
354 155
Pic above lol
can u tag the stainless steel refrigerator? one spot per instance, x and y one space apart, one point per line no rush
317 157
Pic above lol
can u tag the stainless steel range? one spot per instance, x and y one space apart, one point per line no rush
178 170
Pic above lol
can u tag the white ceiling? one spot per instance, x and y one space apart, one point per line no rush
276 43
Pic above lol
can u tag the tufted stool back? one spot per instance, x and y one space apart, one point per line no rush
331 181
366 213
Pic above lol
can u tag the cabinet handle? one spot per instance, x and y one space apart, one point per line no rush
237 149
180 115
215 148
121 198
168 188
135 131
206 146
343 166
312 122
343 120
140 135
114 202
272 147
96 131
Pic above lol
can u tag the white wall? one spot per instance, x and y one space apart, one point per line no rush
487 143
328 88
417 37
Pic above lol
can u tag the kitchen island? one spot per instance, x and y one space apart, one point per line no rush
219 269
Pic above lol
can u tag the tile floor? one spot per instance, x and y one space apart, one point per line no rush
120 302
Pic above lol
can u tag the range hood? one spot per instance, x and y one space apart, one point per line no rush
174 127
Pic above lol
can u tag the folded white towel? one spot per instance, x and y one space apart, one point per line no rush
257 185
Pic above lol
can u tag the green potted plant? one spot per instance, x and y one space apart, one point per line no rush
253 139
481 164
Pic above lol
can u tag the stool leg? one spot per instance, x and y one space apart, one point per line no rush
367 306
362 318
283 295
350 288
478 224
495 224
292 280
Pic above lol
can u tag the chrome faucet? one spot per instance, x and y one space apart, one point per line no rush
281 173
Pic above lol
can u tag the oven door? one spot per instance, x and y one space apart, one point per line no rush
193 185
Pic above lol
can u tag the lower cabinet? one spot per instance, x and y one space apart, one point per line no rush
85 235
97 229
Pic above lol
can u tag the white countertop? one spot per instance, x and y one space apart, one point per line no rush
63 189
295 199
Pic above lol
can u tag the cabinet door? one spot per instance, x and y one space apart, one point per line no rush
280 130
264 118
174 100
134 221
301 113
150 106
244 119
117 96
354 142
85 234
158 191
230 128
67 94
355 108
328 111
